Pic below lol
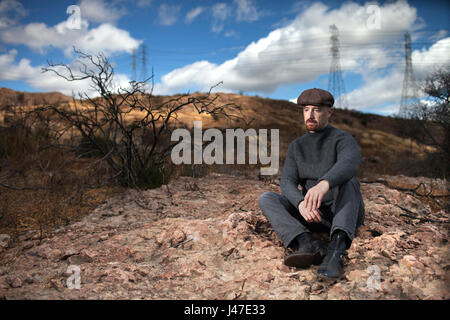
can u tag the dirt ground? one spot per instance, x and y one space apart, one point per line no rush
206 238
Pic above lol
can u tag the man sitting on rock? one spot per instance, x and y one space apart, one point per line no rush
324 162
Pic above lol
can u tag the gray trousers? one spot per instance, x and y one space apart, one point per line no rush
346 213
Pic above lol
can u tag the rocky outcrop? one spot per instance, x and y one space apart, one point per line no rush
207 239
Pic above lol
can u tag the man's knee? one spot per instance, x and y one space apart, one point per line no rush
267 198
352 183
349 190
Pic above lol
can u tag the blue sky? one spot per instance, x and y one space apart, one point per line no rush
272 49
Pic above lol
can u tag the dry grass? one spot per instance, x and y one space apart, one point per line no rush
43 185
44 200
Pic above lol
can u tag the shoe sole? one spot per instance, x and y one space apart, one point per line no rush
300 260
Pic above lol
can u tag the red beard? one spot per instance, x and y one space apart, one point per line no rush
311 126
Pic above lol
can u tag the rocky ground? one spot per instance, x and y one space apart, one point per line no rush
207 239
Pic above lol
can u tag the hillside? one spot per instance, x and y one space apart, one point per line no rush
383 150
9 97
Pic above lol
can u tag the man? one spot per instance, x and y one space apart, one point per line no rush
324 162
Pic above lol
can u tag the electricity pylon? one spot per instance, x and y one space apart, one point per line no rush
335 81
410 90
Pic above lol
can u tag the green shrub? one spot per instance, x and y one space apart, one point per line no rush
147 177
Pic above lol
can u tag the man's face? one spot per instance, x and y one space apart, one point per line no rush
316 118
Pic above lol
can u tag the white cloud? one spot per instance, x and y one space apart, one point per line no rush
439 35
300 51
105 38
10 12
193 14
437 55
100 12
242 10
144 3
220 12
246 10
168 15
10 70
230 34
379 90
23 71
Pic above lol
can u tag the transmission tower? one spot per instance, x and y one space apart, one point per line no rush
410 90
133 65
335 80
144 63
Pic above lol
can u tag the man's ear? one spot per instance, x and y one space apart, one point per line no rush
331 110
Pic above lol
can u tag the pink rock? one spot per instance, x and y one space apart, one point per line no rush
266 277
357 275
139 256
146 234
14 281
338 292
411 262
83 257
177 237
436 290
56 284
202 244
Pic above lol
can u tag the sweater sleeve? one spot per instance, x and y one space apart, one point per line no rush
347 162
290 179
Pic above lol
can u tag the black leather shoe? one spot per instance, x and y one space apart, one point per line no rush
308 251
333 265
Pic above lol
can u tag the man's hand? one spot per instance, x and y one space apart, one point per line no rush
314 196
309 215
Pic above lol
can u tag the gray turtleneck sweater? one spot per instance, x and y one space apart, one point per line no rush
329 154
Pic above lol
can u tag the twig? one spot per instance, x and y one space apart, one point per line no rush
169 193
236 296
422 219
413 190
411 214
19 188
142 205
183 242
